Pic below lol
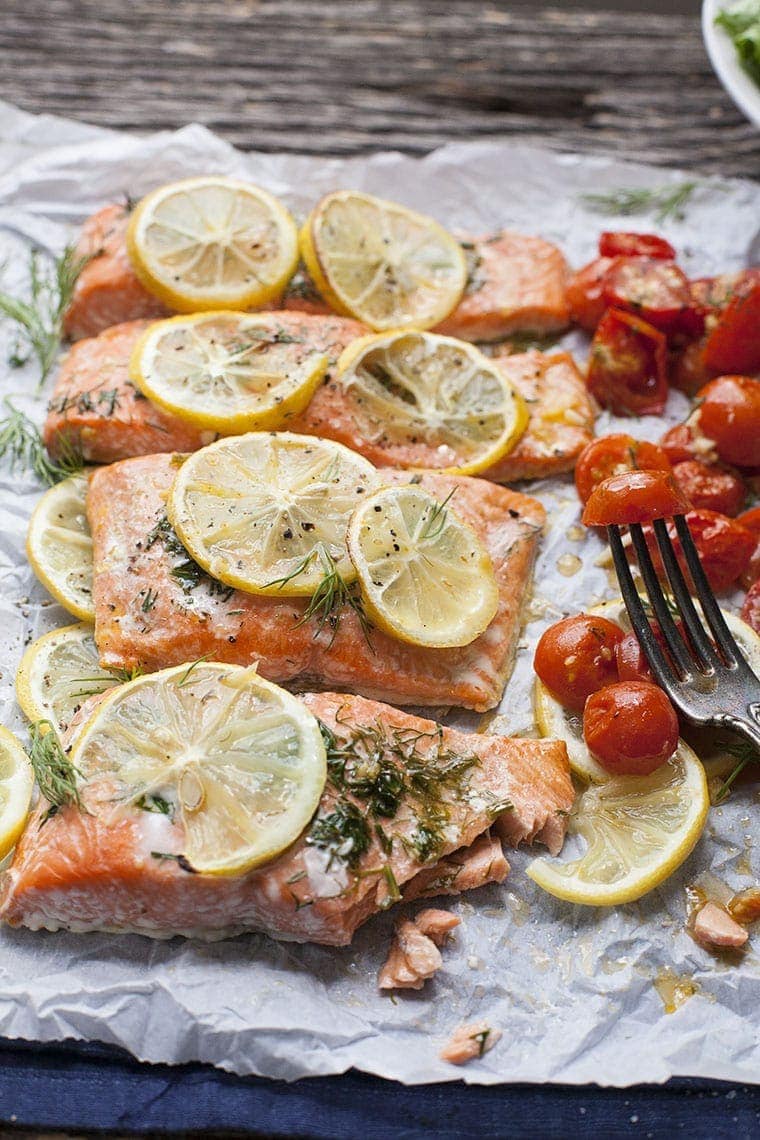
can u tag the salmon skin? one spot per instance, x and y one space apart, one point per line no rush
96 408
107 291
515 284
115 867
189 615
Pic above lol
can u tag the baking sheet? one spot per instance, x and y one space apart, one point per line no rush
572 989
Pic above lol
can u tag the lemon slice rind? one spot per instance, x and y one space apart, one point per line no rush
59 546
58 672
16 786
239 761
435 390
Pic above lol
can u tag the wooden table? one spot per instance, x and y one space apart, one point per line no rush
345 76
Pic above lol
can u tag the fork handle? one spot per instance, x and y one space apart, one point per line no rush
747 724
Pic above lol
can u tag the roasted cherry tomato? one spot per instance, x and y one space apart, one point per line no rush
612 455
619 244
729 414
711 487
576 656
679 443
634 497
631 662
630 727
751 607
724 547
733 340
585 293
627 370
688 371
750 520
656 291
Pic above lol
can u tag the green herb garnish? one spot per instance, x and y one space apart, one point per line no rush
21 445
742 22
343 832
54 772
156 804
663 201
331 596
435 518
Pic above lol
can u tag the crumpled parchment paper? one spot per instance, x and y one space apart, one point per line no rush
572 989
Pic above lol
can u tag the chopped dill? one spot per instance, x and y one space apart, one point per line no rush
54 772
39 320
188 573
435 519
343 832
180 860
744 754
186 675
394 894
156 804
331 596
149 600
662 201
21 445
482 1040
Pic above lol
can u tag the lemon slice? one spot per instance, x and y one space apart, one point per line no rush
425 576
637 831
16 786
226 372
59 546
268 512
437 402
381 263
238 763
58 672
212 243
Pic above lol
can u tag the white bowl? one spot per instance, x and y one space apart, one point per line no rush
723 56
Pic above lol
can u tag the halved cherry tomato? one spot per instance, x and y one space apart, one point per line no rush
627 370
750 520
634 497
724 547
585 293
714 488
729 414
678 443
656 291
688 371
620 244
630 727
576 656
733 341
631 661
751 607
612 455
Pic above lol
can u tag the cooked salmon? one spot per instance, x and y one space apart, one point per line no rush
155 608
116 867
415 953
515 284
97 408
108 290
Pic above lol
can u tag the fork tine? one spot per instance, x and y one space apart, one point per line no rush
658 662
676 644
711 609
701 643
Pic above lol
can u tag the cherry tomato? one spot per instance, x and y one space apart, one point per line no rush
656 291
576 656
619 244
733 341
631 662
750 520
630 727
585 293
729 414
751 607
678 443
612 455
688 371
714 488
724 547
634 497
627 370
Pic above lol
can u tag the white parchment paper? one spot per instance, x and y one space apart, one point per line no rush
572 989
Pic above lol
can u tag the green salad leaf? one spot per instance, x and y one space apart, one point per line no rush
742 22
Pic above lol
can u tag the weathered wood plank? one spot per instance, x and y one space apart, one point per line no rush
344 76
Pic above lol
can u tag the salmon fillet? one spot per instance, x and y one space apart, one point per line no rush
108 291
155 608
516 284
96 407
116 868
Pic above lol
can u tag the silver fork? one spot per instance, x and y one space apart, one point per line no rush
708 678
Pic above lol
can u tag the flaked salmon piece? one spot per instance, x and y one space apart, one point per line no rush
466 870
516 284
97 408
415 953
108 290
468 1042
187 615
714 926
119 868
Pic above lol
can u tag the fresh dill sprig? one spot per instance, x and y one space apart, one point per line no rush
436 519
54 772
744 754
21 445
662 201
39 320
330 597
193 665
